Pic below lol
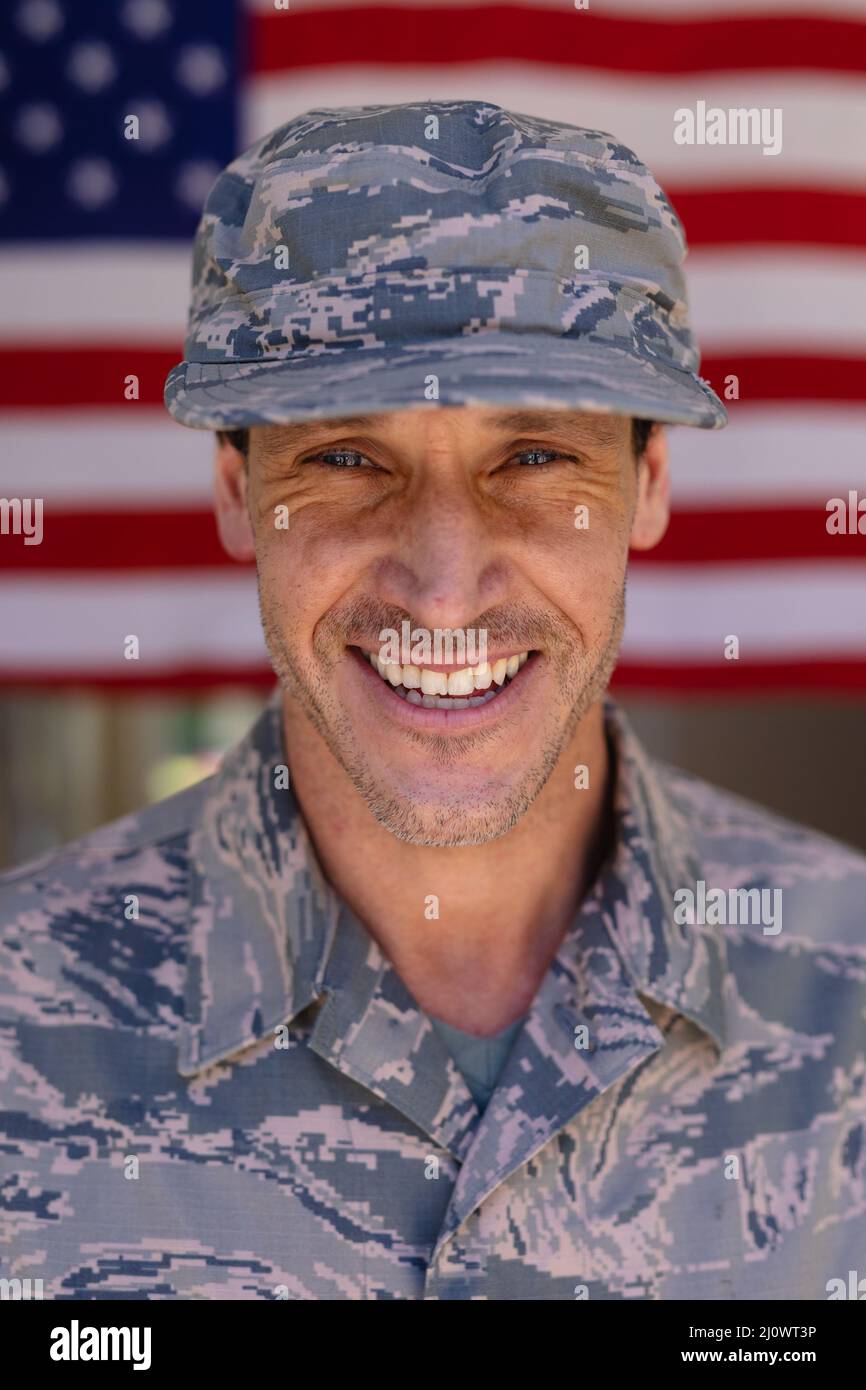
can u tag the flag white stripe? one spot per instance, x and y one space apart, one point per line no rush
682 10
97 292
766 299
787 455
210 619
106 458
748 299
78 623
820 112
685 613
767 454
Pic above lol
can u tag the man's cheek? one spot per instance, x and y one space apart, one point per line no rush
289 593
303 556
580 571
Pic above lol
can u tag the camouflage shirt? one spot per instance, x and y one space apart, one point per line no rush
214 1085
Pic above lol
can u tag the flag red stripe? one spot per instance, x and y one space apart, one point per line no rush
758 534
730 678
67 375
180 677
433 36
155 540
788 377
784 216
159 540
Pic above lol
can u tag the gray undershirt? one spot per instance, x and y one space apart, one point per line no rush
480 1060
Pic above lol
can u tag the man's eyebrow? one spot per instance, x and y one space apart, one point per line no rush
595 429
288 435
599 429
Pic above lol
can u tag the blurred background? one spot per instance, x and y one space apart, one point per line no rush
95 236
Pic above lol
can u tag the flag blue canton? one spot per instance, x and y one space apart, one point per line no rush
70 77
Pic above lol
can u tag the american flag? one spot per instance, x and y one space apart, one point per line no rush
96 232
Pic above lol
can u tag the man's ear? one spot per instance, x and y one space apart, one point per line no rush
652 511
230 501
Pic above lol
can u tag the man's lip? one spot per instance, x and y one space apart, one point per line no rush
446 666
455 721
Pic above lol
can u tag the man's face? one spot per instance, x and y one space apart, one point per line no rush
511 528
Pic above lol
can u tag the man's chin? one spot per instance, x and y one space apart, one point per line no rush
420 814
445 827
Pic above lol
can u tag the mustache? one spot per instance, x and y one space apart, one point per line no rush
362 619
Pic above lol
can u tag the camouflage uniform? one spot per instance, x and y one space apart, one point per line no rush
351 1162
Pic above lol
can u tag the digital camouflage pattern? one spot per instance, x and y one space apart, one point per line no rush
352 1163
381 258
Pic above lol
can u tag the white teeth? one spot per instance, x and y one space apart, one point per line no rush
436 702
434 682
460 682
483 676
422 686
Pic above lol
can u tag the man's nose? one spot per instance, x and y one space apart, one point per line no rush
444 564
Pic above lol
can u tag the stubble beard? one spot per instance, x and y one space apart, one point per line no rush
582 678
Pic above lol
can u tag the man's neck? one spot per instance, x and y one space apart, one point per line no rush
503 907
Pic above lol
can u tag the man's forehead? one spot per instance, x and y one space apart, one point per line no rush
597 428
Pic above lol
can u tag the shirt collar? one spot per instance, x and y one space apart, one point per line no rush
654 854
263 918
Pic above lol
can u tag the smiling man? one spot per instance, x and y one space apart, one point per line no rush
405 1002
465 519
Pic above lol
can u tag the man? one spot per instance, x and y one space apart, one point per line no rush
440 988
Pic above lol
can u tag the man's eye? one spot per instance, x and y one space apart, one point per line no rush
537 458
352 458
339 458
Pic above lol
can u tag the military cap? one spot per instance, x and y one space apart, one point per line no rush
378 258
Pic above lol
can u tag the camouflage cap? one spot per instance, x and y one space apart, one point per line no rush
378 258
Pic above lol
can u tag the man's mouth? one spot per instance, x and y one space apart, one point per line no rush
434 688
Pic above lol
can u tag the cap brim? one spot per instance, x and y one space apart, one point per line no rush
487 369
